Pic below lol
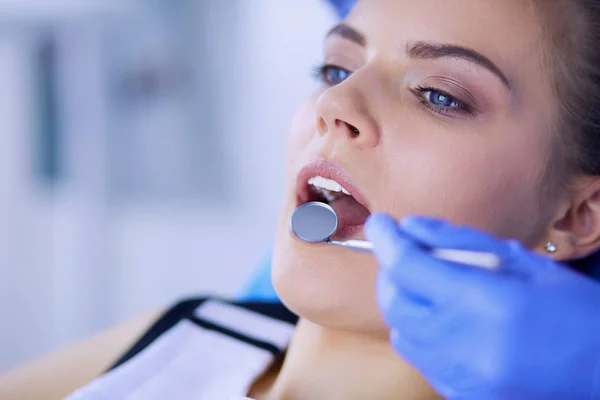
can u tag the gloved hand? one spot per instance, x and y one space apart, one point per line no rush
529 331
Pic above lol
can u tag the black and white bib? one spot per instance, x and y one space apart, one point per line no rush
200 349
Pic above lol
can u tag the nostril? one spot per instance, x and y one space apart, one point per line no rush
353 130
343 126
321 126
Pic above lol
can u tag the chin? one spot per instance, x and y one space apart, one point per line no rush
329 286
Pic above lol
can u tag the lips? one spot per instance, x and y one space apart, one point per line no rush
352 210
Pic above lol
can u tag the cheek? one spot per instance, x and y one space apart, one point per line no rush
302 131
327 285
492 186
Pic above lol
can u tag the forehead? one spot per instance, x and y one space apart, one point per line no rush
508 32
491 17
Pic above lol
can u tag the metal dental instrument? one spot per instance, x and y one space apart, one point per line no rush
317 222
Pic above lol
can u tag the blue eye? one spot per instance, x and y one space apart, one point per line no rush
331 74
442 102
440 99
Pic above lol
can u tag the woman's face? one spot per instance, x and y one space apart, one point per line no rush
429 107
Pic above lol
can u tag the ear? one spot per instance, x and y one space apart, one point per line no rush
576 226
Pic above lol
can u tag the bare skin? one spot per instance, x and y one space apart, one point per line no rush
479 159
442 131
346 356
57 375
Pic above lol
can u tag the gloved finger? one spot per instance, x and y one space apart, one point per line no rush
422 321
443 349
437 233
412 351
413 315
425 359
414 269
436 358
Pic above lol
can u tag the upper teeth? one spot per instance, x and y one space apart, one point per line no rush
329 184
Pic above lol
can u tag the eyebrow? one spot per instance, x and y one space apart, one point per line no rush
428 50
347 32
433 51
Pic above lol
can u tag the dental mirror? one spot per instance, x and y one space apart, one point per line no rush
314 222
317 222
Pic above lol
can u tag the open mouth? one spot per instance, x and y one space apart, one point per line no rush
327 183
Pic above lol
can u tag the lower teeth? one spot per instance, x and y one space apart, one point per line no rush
326 195
329 197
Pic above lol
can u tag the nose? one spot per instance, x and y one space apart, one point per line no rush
342 111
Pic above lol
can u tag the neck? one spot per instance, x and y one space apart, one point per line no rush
323 363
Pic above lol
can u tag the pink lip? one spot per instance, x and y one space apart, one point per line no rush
329 170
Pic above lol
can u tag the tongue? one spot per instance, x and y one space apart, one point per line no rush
349 211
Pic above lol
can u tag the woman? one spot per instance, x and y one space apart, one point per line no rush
479 112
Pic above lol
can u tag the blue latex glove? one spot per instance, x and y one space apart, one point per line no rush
529 332
342 7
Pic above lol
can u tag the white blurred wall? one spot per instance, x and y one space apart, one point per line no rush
73 258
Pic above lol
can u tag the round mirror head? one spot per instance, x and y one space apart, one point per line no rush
314 222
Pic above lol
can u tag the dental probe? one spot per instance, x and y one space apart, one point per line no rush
317 222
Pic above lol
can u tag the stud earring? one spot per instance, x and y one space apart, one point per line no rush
550 247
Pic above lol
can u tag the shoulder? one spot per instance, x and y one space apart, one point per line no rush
195 347
56 375
241 320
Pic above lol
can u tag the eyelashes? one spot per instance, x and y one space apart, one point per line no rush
434 99
442 102
331 75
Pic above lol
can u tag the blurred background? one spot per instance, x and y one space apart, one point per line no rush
139 141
